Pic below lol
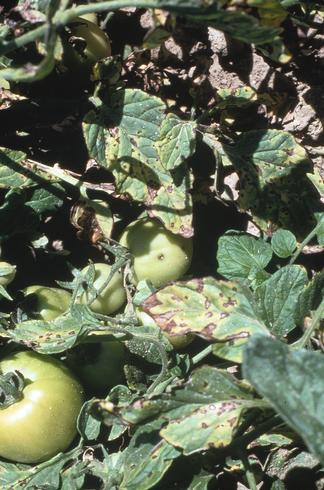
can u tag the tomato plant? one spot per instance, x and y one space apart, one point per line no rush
86 44
7 273
159 255
100 365
201 125
47 303
43 421
112 297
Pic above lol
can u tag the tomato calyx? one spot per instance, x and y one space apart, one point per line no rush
11 388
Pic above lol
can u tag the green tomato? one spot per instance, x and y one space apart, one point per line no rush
91 17
159 255
50 302
100 366
93 47
178 341
112 297
7 273
43 422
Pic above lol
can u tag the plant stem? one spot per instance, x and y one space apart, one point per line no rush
202 354
21 41
303 341
304 243
248 471
61 18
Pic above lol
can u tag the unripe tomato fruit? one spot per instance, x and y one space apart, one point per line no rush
178 341
91 17
159 255
43 422
100 367
49 302
96 44
112 297
7 274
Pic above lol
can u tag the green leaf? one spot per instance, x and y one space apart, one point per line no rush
48 475
177 141
240 254
15 217
147 458
294 385
283 243
201 481
278 485
310 298
46 198
46 194
88 426
277 298
145 349
222 313
320 228
94 135
11 174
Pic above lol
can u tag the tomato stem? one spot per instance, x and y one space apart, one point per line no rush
309 237
248 470
318 315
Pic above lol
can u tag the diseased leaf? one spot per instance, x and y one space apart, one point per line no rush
294 385
283 243
221 312
274 152
240 254
244 27
237 97
56 336
128 144
210 426
271 12
177 141
317 180
286 460
277 298
273 185
203 413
